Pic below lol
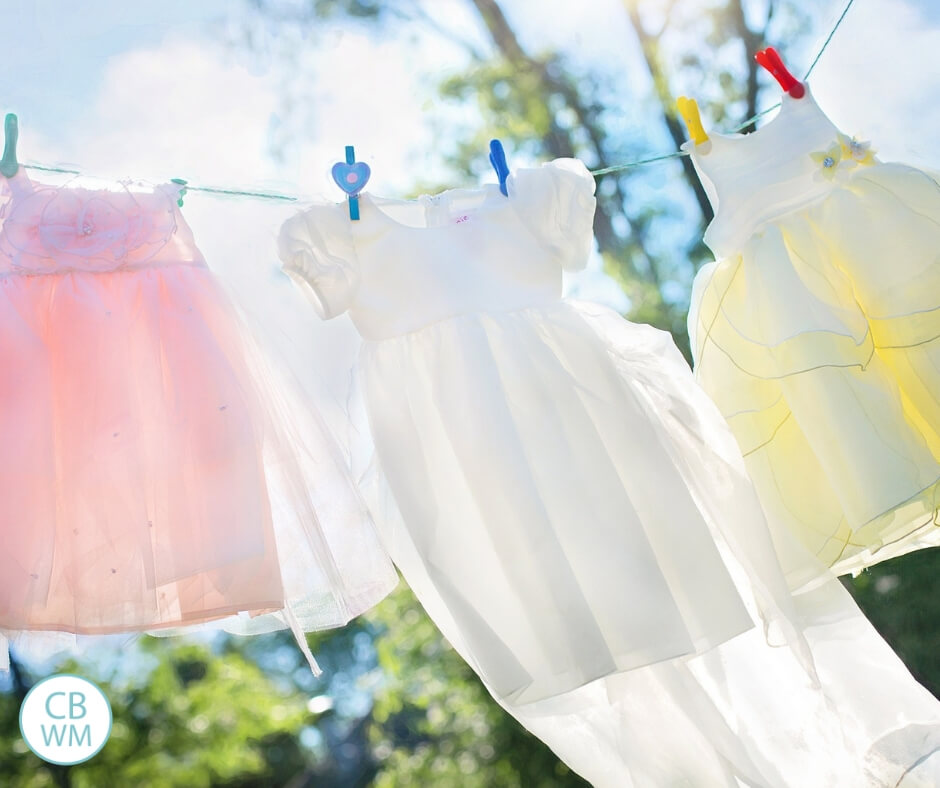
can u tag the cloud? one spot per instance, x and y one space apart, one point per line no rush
878 78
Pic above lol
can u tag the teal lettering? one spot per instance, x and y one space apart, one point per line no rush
73 735
55 732
49 707
73 705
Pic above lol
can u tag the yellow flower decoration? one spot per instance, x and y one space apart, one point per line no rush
828 160
859 152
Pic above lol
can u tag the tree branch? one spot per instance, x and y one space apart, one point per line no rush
558 141
649 46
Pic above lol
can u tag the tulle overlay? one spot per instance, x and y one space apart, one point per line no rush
574 514
820 343
834 709
542 498
146 475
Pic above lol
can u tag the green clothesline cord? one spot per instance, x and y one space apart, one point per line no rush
680 153
188 187
596 173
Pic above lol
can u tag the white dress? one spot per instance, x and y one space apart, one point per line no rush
574 514
537 480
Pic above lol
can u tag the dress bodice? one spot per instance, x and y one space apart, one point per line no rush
754 178
408 263
48 229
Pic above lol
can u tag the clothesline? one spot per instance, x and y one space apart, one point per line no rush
261 195
679 153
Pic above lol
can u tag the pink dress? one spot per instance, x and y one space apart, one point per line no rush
145 479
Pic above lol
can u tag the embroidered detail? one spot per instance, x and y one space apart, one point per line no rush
93 230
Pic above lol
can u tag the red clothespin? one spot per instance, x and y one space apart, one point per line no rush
770 59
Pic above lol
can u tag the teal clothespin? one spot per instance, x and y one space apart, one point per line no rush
182 193
8 164
351 177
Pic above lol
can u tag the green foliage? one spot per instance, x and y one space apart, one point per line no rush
434 724
197 719
901 597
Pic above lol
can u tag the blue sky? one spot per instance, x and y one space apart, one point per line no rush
151 89
154 90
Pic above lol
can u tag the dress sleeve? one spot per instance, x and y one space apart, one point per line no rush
316 250
558 204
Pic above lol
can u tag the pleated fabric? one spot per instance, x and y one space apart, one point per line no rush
832 707
574 514
150 475
817 333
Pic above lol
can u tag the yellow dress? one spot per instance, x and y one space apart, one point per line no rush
817 333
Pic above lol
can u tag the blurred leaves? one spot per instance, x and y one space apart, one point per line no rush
435 724
196 719
901 597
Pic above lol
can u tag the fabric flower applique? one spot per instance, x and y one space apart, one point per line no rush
859 152
843 155
828 160
84 230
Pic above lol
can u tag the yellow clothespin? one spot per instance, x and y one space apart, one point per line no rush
688 108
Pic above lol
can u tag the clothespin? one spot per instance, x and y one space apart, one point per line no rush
688 109
351 177
498 160
9 166
182 192
771 60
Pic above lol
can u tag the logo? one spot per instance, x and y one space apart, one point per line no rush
65 719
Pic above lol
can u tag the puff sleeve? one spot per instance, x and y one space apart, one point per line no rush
557 201
316 251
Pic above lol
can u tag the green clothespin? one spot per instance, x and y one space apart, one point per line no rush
8 164
182 183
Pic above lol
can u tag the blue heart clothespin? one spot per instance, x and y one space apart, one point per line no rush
351 177
498 160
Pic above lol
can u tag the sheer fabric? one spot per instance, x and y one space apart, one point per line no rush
574 514
147 475
817 333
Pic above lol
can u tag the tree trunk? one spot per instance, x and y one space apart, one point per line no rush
559 142
649 45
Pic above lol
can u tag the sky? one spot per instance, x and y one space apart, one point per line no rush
151 89
157 89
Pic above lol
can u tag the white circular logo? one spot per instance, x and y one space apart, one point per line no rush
65 719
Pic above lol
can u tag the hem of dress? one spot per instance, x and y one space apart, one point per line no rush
908 540
522 696
202 617
901 540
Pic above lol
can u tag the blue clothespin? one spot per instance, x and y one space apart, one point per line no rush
498 160
351 177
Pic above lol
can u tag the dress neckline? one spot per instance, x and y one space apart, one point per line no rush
787 107
491 197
